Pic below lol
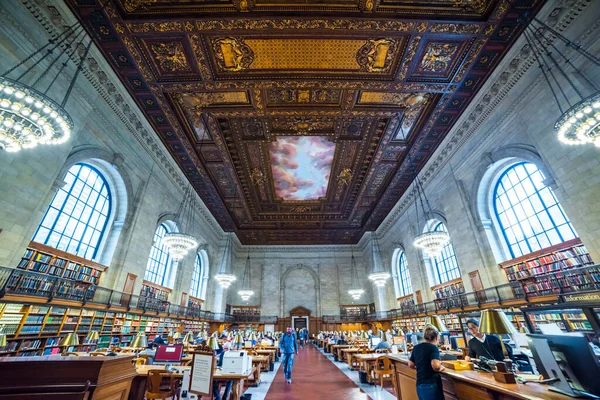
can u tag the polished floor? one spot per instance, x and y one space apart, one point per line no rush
316 377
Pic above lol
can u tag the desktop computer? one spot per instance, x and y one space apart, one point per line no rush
168 354
569 361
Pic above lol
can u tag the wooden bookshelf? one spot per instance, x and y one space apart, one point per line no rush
35 330
406 301
195 303
448 289
48 260
532 271
354 311
408 324
154 291
252 311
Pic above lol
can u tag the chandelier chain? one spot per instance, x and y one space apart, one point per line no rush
64 64
79 68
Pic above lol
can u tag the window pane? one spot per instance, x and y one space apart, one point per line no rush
72 209
446 263
159 261
534 218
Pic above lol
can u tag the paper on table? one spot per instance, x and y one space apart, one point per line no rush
201 379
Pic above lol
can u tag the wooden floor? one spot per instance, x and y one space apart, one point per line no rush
314 377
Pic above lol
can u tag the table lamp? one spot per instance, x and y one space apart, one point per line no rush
92 337
177 335
70 340
188 338
212 343
436 322
140 341
495 322
238 341
252 337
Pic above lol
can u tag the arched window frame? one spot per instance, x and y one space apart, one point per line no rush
532 233
404 282
164 272
46 229
196 283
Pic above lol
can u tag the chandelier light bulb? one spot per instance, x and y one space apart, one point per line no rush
225 280
23 128
246 294
433 242
356 293
577 125
379 278
179 244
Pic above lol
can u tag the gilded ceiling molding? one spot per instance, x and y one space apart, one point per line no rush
302 24
496 92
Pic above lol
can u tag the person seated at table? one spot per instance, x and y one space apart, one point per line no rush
158 339
482 345
342 340
383 345
150 351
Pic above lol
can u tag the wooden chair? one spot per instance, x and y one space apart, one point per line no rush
139 361
383 368
153 389
145 357
383 351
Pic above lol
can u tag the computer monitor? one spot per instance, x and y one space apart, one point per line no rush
168 354
375 341
570 360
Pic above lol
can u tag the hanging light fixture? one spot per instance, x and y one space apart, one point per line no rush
28 116
378 276
180 243
246 291
224 278
431 242
355 290
579 122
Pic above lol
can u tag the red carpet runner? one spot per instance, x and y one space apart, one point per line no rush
314 377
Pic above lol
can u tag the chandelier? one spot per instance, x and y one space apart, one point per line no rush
224 278
246 292
28 116
379 276
356 292
431 242
180 243
579 122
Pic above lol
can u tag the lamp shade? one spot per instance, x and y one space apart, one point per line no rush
70 340
188 338
252 336
437 322
139 341
93 335
495 322
177 335
364 335
2 338
238 340
212 343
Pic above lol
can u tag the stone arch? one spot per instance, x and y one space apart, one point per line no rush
111 165
300 268
492 166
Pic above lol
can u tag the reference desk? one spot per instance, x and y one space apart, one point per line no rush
467 385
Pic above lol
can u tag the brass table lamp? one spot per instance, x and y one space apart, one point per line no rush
238 341
92 337
2 337
436 322
495 322
140 341
212 343
188 338
70 340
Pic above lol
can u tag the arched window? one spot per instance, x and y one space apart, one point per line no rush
529 214
78 214
404 283
159 262
196 287
446 265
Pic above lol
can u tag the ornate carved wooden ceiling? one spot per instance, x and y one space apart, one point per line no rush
231 87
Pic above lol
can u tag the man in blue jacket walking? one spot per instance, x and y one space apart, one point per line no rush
288 346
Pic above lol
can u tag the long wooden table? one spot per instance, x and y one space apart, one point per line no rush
138 387
337 354
350 352
467 385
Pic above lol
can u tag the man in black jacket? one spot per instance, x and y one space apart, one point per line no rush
482 345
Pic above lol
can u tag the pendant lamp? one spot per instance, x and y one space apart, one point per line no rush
379 276
179 243
432 242
225 278
246 291
355 290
